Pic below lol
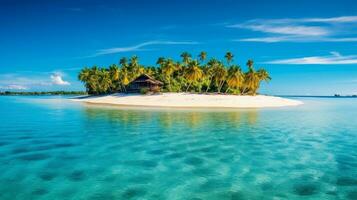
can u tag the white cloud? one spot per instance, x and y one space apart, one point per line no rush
335 29
58 80
31 80
138 47
334 59
13 87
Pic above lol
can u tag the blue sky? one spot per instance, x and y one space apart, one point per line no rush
309 47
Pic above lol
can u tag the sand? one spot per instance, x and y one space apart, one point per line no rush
186 100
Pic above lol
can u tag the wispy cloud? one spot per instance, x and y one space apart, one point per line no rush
335 29
139 47
334 59
295 39
285 30
343 19
20 79
13 87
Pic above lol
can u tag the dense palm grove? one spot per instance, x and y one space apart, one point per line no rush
190 75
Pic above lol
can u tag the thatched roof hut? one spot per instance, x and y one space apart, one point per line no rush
145 81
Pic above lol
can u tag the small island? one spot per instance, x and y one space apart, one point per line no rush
190 83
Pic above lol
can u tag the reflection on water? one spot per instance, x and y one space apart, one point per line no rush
80 151
168 118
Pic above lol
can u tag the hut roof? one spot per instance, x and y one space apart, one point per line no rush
146 78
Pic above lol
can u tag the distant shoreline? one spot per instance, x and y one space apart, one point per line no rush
188 100
318 96
43 93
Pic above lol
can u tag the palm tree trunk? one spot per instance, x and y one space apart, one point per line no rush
209 84
220 85
124 89
188 87
208 87
255 91
244 90
169 80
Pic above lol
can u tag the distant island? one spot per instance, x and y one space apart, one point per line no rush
35 93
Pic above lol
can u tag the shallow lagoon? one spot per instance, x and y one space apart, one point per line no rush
52 148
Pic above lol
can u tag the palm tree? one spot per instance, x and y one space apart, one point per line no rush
168 68
104 81
193 73
220 75
263 75
235 78
124 78
251 78
229 57
202 56
123 62
93 81
114 75
134 61
84 76
160 61
150 71
178 66
114 72
209 71
186 57
134 69
250 63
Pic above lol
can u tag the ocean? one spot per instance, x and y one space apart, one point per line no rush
53 148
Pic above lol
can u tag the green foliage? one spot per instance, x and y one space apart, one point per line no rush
191 75
144 90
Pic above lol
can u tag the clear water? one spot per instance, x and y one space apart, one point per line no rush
51 148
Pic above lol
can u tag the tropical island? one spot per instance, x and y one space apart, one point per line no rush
192 82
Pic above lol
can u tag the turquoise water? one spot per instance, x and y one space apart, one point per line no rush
52 148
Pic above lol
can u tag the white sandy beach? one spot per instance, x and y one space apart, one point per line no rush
186 100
